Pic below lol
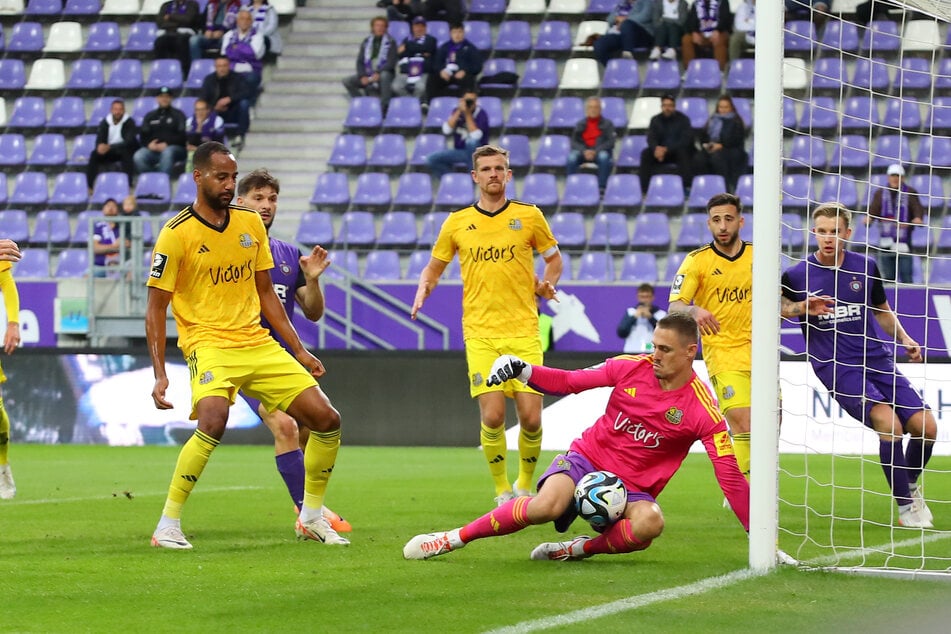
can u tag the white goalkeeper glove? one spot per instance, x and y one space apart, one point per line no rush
508 367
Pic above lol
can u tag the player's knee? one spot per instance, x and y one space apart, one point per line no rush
542 509
648 522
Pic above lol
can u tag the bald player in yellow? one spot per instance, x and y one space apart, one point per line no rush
715 285
496 240
11 339
212 263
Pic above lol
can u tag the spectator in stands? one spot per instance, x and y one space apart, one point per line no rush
178 20
670 143
897 208
630 26
162 137
870 10
592 141
670 19
417 54
244 47
115 142
458 63
266 22
400 10
376 63
721 143
203 126
637 325
815 10
227 94
220 16
469 127
744 29
708 27
452 11
130 209
105 238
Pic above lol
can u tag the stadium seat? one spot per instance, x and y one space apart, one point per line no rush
609 230
839 35
113 185
141 38
414 191
696 110
26 38
141 107
913 76
642 111
939 271
623 192
349 152
938 116
431 224
372 190
382 265
388 152
820 115
795 74
70 190
565 113
629 156
125 75
792 232
455 191
64 37
693 231
439 29
315 227
541 189
29 188
80 236
740 76
638 267
514 39
615 109
357 229
942 79
417 262
16 225
850 153
880 38
744 190
807 152
153 189
185 191
871 74
528 8
47 74
51 227
12 74
585 30
199 69
493 10
332 191
935 151
364 114
404 113
3 188
164 73
930 189
828 75
43 9
439 110
704 187
665 191
520 153
541 77
921 35
399 30
480 34
620 75
581 73
493 108
703 75
663 76
100 108
553 40
903 114
423 146
86 74
891 148
859 113
398 229
567 8
568 227
581 192
12 150
35 264
674 260
836 188
600 8
799 36
797 191
552 153
72 263
525 113
67 114
494 67
49 150
596 266
941 238
789 114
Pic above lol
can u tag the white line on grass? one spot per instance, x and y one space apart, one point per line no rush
861 553
135 494
630 603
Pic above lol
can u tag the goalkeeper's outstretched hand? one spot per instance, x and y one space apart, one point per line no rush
508 367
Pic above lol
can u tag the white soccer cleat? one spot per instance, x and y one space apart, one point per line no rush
319 530
519 493
8 489
430 545
918 503
503 497
561 551
170 537
910 517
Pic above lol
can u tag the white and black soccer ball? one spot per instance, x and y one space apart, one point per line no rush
600 499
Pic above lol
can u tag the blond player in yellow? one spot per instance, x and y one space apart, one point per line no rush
496 240
11 339
212 262
715 285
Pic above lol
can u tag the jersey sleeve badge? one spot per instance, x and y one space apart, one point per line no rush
724 445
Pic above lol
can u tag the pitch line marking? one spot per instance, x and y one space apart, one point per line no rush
861 553
629 603
117 494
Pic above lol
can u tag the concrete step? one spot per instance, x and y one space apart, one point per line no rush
338 10
332 128
327 64
295 100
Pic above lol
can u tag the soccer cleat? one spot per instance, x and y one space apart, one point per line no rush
336 522
726 505
561 551
430 545
503 497
319 530
170 537
910 517
919 504
8 488
520 493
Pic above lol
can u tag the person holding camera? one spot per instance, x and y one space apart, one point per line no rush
638 323
468 125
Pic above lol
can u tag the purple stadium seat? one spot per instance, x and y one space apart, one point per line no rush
70 190
3 188
941 238
609 229
26 37
43 8
850 152
493 67
493 10
792 233
639 267
620 75
935 151
566 261
839 35
938 117
72 263
186 104
859 113
34 264
373 190
939 271
703 75
439 29
164 72
51 228
552 152
674 260
799 36
581 192
432 222
568 228
744 190
398 230
629 156
807 152
665 191
841 189
125 74
16 225
417 262
82 7
49 150
83 146
102 38
820 115
746 231
455 191
828 75
903 114
520 153
100 108
12 74
109 185
881 37
541 76
388 152
29 188
871 74
514 39
662 77
930 189
382 265
623 192
399 30
565 113
141 107
423 146
28 112
414 190
789 112
704 187
891 148
693 231
525 113
199 69
331 191
403 114
696 110
153 189
480 34
600 8
914 75
68 113
141 38
797 191
364 114
185 191
86 74
554 39
439 110
12 150
315 227
80 236
615 109
356 230
740 75
349 152
541 189
596 266
942 79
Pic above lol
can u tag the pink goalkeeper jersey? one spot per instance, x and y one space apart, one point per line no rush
645 432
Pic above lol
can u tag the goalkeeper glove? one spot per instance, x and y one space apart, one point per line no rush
508 367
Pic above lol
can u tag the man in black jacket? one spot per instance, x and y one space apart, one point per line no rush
115 142
228 95
458 64
416 56
178 20
670 142
162 136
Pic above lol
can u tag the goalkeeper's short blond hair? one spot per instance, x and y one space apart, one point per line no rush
834 211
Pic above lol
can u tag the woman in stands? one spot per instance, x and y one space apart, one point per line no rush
721 143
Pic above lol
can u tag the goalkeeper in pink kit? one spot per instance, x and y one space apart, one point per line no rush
658 408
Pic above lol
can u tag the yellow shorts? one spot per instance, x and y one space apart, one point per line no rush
732 389
267 372
3 377
482 353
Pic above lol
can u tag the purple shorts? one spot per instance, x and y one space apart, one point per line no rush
858 389
577 466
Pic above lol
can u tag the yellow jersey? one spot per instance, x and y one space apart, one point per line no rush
723 286
210 273
11 298
497 261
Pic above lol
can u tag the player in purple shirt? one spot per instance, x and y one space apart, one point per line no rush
295 278
835 294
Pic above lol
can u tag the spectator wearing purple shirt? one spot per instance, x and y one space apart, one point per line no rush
244 47
898 209
468 125
834 294
105 238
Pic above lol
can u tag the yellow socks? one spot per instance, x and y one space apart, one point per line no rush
4 434
741 447
494 448
191 462
320 455
529 448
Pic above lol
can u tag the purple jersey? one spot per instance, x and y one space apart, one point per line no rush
286 277
846 336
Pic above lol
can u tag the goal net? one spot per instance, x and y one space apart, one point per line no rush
866 119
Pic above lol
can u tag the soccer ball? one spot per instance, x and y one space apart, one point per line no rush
600 499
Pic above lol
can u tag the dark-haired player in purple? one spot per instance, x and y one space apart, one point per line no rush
295 277
835 293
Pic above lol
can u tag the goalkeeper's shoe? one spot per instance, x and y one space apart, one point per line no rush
319 530
336 522
170 537
503 497
911 517
8 488
918 503
432 544
562 551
